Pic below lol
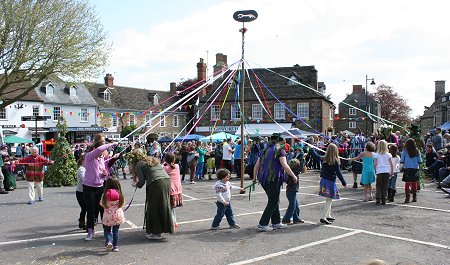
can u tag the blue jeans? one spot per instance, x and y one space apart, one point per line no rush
272 210
293 210
393 181
199 172
114 236
221 211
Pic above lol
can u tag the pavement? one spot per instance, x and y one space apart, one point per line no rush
416 233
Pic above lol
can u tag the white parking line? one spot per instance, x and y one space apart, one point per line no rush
131 224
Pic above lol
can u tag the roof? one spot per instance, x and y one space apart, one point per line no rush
128 98
61 93
19 88
360 99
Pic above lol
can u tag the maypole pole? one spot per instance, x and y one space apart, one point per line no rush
243 16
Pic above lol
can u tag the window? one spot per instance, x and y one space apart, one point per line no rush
83 115
279 111
56 113
131 119
147 118
114 120
215 112
331 114
107 95
352 124
3 114
156 99
162 121
49 90
351 111
73 91
235 112
292 81
303 110
176 122
35 110
257 112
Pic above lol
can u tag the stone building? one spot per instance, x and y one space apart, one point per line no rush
438 113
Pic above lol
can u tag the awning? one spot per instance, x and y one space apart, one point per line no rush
39 130
445 126
263 129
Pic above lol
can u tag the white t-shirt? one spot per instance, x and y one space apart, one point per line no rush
383 165
227 152
396 163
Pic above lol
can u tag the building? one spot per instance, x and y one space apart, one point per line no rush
122 109
438 113
287 87
350 117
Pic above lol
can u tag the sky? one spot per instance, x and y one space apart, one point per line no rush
403 43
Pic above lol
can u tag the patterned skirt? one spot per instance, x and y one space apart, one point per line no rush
176 200
356 167
328 189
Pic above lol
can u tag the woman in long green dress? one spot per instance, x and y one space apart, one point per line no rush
10 179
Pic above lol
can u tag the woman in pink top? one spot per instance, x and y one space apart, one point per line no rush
176 193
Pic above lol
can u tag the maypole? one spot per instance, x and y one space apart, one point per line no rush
243 16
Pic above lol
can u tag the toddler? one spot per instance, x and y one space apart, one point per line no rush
293 210
112 202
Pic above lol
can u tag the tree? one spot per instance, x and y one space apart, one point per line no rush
128 129
42 38
393 106
64 171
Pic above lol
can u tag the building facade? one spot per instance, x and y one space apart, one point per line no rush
438 113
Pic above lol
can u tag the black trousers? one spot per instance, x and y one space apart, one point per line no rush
82 203
272 210
92 197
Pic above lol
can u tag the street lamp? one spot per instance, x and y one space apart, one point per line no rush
367 102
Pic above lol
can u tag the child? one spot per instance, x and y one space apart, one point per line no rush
293 210
410 159
79 193
328 188
112 202
210 166
384 169
176 192
393 149
368 170
223 193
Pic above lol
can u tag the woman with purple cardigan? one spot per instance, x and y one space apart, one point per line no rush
95 176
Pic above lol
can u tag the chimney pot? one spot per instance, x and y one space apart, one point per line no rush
173 88
109 80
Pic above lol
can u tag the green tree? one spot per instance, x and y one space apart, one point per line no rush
64 171
128 129
393 106
51 37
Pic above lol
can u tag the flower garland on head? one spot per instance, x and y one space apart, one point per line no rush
133 158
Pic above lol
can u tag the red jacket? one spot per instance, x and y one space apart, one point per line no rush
35 167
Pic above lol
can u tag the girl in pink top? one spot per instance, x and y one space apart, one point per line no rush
176 192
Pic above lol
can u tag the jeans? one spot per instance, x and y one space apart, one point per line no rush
272 210
435 167
293 210
92 196
221 211
115 234
393 182
199 172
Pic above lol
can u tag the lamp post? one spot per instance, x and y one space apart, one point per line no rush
367 103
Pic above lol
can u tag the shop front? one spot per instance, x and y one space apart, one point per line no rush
77 134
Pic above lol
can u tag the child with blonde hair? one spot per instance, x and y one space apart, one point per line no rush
328 189
112 202
384 168
368 170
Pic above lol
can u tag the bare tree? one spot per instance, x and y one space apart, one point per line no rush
53 37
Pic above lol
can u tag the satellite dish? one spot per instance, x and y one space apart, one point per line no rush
245 15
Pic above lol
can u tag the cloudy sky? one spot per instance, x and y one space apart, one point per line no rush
403 43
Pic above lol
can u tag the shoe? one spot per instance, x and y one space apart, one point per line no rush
323 221
192 182
90 234
299 221
31 202
287 222
264 228
279 226
41 198
3 192
331 219
109 246
82 226
115 249
355 185
215 228
235 226
154 237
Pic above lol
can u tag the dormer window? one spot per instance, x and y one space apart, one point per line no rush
73 91
292 81
156 99
49 90
107 95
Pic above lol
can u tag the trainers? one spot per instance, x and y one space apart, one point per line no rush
90 234
236 226
31 202
264 228
287 222
115 249
109 246
3 192
215 227
154 237
279 226
41 198
192 182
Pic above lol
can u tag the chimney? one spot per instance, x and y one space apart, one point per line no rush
109 80
221 62
201 70
439 89
173 88
358 89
